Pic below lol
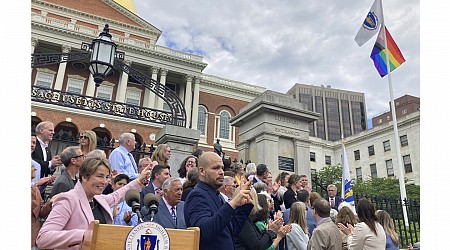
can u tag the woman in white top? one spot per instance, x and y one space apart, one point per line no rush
298 237
368 234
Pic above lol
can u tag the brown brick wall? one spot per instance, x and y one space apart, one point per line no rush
51 15
116 128
215 104
95 7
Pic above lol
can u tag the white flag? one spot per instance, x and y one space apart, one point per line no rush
347 191
371 24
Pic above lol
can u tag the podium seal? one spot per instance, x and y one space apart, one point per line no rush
147 236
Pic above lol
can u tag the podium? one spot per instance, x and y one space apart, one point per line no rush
112 237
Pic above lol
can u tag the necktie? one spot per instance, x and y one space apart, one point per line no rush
332 202
133 162
174 216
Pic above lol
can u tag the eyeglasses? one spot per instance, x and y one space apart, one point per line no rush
232 185
83 137
82 155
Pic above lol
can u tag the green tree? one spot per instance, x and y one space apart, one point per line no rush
385 187
376 186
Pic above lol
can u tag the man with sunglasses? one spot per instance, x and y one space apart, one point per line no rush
72 158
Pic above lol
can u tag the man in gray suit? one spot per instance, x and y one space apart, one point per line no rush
72 157
171 208
326 235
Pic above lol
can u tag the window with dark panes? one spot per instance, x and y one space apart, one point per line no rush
371 150
404 140
407 163
359 173
373 170
357 156
327 159
387 145
389 168
312 156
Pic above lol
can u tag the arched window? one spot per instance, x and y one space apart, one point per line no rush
34 122
201 123
66 134
224 125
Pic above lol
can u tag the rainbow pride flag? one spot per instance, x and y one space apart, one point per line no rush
379 53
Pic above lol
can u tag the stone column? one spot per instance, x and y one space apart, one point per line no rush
188 100
160 101
149 96
301 163
181 142
34 43
90 90
61 70
267 151
244 151
195 103
123 83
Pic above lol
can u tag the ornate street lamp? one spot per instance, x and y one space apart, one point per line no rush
102 56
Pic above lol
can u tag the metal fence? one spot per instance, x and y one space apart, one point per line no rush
408 233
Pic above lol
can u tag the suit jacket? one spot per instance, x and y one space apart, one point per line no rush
289 197
39 209
217 220
63 183
71 215
364 238
164 216
337 201
326 236
145 190
252 238
38 156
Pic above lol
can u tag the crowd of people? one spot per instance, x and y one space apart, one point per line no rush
235 205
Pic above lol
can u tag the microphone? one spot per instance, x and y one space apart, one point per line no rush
132 198
151 202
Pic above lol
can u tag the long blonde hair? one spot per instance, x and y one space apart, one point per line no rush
158 154
388 225
92 141
297 215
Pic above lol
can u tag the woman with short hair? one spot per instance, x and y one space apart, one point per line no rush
73 211
290 196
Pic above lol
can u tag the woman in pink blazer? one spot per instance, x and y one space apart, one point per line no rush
74 210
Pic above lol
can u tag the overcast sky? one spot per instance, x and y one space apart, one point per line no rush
275 44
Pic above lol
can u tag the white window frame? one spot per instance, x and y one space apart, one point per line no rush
76 80
108 85
387 145
229 126
389 168
372 172
408 157
359 173
44 71
133 91
227 143
205 120
404 111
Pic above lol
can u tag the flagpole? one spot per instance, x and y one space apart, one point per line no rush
401 178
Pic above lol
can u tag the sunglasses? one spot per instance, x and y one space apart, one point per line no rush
82 155
83 137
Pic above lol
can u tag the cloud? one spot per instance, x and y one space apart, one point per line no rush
276 44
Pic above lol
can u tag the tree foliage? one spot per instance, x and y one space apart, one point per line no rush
376 186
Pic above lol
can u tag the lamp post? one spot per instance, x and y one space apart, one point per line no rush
102 56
